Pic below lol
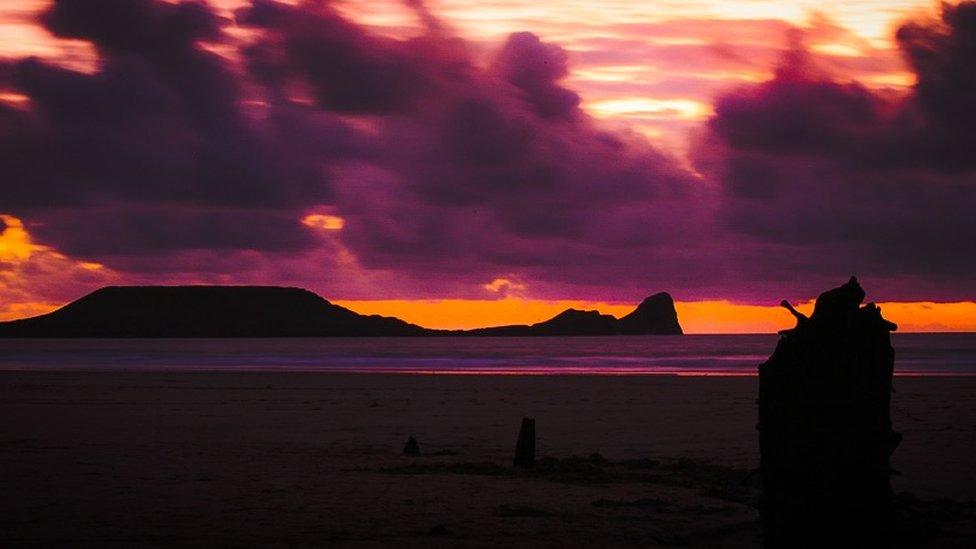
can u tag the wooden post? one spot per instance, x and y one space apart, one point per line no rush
411 448
525 446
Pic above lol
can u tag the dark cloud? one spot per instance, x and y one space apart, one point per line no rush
943 55
347 68
443 166
129 230
450 170
536 69
799 113
855 180
461 171
153 152
159 30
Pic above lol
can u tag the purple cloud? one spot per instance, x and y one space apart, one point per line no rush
448 170
153 152
536 69
855 180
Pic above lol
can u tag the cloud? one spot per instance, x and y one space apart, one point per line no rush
34 278
149 28
854 179
799 111
347 68
290 144
442 166
536 69
153 152
471 169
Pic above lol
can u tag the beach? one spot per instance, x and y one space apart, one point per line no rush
305 458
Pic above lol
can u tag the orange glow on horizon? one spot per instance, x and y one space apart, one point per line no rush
696 317
476 313
26 266
14 311
15 243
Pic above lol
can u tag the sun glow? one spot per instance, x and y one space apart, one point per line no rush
649 108
15 243
35 278
499 285
324 222
453 314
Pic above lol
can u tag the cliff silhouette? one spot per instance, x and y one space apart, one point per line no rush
654 316
268 311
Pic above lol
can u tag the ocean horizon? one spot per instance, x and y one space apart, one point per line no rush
916 354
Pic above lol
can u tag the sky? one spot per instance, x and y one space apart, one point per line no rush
460 163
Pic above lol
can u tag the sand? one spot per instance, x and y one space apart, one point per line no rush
109 458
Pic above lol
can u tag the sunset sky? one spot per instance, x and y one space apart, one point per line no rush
461 163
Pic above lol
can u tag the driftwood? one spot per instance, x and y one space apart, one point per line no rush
825 427
525 446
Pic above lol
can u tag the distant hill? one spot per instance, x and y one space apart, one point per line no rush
654 316
205 311
268 311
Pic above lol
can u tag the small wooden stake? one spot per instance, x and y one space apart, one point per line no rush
411 448
525 447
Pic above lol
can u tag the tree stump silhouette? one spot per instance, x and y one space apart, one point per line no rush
825 432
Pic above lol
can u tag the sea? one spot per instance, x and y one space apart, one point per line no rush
689 355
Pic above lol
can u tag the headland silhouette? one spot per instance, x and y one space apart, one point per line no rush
271 311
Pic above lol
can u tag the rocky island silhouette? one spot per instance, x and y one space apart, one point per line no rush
270 311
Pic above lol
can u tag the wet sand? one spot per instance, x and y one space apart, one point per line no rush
109 458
